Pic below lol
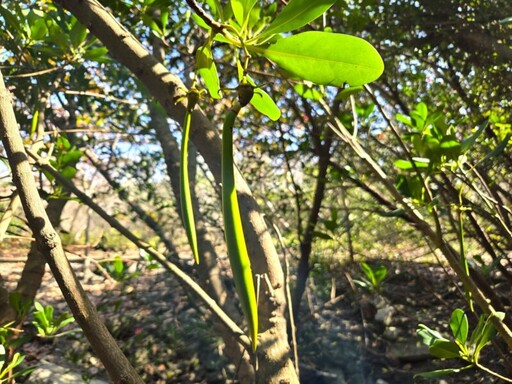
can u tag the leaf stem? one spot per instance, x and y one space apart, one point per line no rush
491 372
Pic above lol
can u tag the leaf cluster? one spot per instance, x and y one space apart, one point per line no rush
460 346
46 323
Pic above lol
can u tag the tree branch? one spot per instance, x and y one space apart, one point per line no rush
159 257
203 15
166 89
118 367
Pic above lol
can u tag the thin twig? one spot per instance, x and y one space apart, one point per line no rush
214 25
119 368
159 257
293 329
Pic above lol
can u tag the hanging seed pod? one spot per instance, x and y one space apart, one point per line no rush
235 239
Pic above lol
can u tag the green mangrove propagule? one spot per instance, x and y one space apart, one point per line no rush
186 200
235 239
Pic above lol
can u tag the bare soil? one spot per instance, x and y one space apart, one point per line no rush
345 334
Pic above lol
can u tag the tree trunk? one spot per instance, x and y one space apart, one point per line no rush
208 269
274 353
307 239
50 245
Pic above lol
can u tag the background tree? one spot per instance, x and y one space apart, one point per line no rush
426 145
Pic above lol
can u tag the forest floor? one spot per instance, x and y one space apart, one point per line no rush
345 334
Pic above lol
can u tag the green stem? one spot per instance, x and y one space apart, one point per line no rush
235 240
491 372
463 259
187 212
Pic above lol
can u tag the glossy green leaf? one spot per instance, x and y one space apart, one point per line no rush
459 325
265 105
326 58
450 147
164 20
38 29
63 143
346 93
406 165
77 34
311 93
56 35
429 336
432 143
445 349
404 119
500 148
441 372
485 332
367 270
71 157
449 142
296 14
118 265
468 142
238 10
380 273
322 235
419 115
214 7
97 54
199 21
242 9
68 172
208 71
152 24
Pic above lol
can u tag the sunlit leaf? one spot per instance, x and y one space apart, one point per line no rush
311 93
199 21
118 265
296 14
486 332
420 115
497 151
346 93
77 34
459 325
265 105
326 58
404 119
445 349
97 54
68 172
468 142
406 165
208 71
241 9
38 29
380 273
213 7
429 336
